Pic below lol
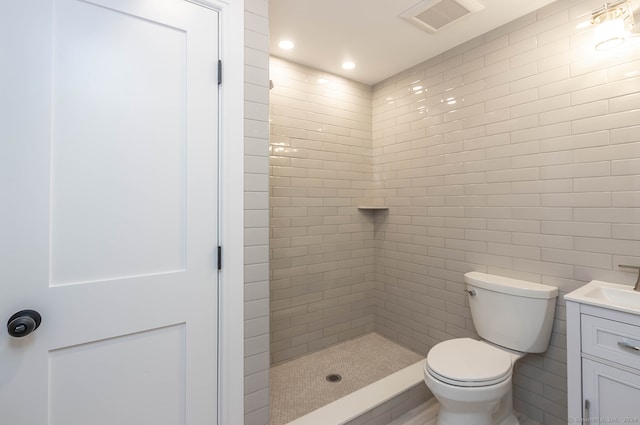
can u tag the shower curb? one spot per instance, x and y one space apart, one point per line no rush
358 403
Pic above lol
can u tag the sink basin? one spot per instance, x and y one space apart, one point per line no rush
609 295
627 296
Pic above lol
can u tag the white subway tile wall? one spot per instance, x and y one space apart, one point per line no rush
518 157
321 245
256 193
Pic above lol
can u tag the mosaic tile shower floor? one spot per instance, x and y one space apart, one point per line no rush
300 385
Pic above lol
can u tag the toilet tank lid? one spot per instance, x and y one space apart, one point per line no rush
511 286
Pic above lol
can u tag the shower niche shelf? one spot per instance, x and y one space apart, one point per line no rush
372 208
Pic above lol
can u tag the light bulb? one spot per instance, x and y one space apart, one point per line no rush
609 34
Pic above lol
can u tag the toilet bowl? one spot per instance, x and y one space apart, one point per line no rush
472 378
472 381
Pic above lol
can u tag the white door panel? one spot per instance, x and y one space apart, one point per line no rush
137 77
152 362
108 225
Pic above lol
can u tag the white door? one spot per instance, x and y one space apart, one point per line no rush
108 211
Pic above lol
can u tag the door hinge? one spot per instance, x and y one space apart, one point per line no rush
219 258
219 72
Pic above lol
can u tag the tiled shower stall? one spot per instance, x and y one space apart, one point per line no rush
516 153
322 246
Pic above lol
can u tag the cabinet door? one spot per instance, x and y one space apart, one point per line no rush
613 394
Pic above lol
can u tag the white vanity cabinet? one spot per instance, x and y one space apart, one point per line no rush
603 362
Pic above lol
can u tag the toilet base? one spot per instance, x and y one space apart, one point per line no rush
491 405
510 420
456 418
476 418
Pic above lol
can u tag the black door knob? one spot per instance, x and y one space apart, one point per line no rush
23 323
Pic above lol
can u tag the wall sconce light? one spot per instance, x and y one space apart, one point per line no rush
611 21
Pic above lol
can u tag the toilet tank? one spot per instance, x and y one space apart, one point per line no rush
512 313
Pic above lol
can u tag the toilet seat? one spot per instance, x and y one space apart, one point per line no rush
465 362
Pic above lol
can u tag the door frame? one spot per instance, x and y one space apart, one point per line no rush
231 211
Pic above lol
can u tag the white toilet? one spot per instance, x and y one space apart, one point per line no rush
472 379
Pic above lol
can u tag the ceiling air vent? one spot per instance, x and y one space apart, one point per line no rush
432 15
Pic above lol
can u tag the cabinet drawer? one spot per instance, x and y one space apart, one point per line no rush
615 341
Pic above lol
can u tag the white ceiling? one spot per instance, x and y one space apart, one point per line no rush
372 34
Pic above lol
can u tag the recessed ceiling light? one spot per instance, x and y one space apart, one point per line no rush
348 65
286 44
